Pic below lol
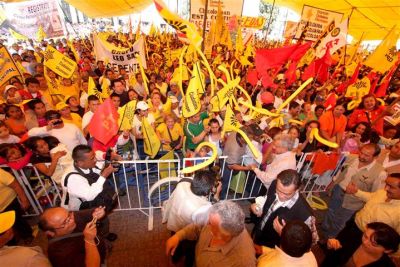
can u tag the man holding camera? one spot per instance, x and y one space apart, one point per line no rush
75 238
67 133
85 184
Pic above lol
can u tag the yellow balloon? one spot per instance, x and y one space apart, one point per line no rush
259 110
296 122
353 104
315 133
205 163
317 203
292 96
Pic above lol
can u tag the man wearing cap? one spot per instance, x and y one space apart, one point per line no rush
142 113
11 95
17 256
66 133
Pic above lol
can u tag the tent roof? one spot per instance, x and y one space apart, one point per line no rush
374 18
109 8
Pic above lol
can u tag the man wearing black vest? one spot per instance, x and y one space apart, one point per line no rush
85 184
282 203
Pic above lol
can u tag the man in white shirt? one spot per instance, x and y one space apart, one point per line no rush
294 250
67 133
282 158
93 104
85 181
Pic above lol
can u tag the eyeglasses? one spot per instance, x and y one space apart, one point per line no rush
66 221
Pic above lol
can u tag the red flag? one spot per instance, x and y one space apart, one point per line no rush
300 52
309 71
381 92
322 66
104 124
266 79
275 57
252 77
373 79
354 78
290 74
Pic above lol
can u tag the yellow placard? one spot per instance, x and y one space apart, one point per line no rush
57 62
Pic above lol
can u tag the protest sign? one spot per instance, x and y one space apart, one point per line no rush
317 19
120 58
229 7
27 17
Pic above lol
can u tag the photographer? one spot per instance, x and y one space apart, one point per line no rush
85 184
75 238
67 133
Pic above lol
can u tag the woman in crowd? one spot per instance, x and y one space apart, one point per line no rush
214 136
15 120
369 111
170 133
354 139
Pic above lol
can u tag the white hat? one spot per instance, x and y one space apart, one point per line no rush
8 87
173 99
142 105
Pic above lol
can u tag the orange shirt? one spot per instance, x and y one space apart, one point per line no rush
331 124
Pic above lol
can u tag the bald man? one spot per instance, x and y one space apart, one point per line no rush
73 236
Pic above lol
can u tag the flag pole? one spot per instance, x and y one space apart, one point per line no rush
347 34
204 25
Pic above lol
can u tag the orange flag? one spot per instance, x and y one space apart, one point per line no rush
104 124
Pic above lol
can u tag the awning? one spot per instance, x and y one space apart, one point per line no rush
371 17
109 8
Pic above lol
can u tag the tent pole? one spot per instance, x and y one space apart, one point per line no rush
204 25
348 25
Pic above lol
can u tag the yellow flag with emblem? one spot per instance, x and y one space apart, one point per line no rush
232 124
186 30
386 54
126 114
8 69
191 101
92 89
152 143
57 62
17 36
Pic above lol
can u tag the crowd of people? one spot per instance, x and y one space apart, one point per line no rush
52 132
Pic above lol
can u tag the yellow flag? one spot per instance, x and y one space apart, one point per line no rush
92 89
153 30
239 43
144 77
40 34
359 89
152 143
137 34
385 55
105 90
191 101
57 62
8 69
187 30
72 47
126 114
167 169
17 36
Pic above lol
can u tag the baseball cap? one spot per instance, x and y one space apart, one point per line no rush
8 87
7 220
142 105
61 105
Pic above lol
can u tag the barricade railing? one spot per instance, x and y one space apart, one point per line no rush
141 184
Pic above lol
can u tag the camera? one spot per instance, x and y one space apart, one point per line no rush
57 122
108 160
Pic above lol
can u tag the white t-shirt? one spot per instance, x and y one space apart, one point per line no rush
137 124
87 117
11 139
70 135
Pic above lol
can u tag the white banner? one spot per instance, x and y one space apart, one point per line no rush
27 17
119 58
229 9
318 19
335 40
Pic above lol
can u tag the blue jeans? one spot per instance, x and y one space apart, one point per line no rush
226 176
336 217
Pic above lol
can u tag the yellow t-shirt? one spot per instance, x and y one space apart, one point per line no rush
7 194
176 131
76 119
